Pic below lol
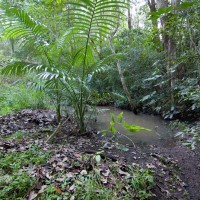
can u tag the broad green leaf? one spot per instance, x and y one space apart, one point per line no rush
159 12
112 128
134 128
112 118
120 117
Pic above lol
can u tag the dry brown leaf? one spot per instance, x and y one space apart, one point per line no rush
58 190
65 159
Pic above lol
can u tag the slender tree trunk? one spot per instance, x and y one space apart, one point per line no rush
121 75
163 4
129 19
169 42
152 7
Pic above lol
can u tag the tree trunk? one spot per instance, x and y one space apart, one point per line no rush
129 19
169 42
121 75
152 7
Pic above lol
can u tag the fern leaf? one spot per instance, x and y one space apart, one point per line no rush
19 25
19 68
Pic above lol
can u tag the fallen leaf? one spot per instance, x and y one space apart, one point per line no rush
135 165
83 172
70 175
106 173
150 166
72 188
42 189
104 180
48 176
32 195
58 189
65 159
124 173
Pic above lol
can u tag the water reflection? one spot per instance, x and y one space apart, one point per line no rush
159 134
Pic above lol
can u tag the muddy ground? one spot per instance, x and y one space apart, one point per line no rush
177 168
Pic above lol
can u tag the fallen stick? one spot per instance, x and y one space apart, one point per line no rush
56 131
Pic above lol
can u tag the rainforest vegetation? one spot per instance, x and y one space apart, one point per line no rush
60 59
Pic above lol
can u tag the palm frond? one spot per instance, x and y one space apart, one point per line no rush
95 17
19 25
19 68
92 21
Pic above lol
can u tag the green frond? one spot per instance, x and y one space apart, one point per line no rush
19 25
65 38
20 68
93 20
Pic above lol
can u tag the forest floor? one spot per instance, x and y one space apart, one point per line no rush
176 168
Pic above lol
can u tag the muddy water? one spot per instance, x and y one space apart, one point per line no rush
159 134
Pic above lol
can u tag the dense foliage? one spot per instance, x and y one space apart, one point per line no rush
154 67
65 71
76 54
158 83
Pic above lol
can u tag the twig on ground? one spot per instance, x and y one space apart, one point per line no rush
56 131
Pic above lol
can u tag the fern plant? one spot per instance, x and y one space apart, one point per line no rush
65 65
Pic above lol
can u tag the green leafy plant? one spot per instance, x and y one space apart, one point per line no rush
91 22
17 135
15 186
114 120
136 185
15 160
141 182
129 127
14 180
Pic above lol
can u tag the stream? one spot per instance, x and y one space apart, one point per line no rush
159 134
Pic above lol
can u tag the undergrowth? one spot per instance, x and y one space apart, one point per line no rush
189 134
16 96
14 166
94 186
28 170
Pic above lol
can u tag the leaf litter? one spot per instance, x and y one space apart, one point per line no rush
73 157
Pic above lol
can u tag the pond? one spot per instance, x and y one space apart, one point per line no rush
159 134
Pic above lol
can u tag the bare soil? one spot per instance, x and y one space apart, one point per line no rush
176 168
